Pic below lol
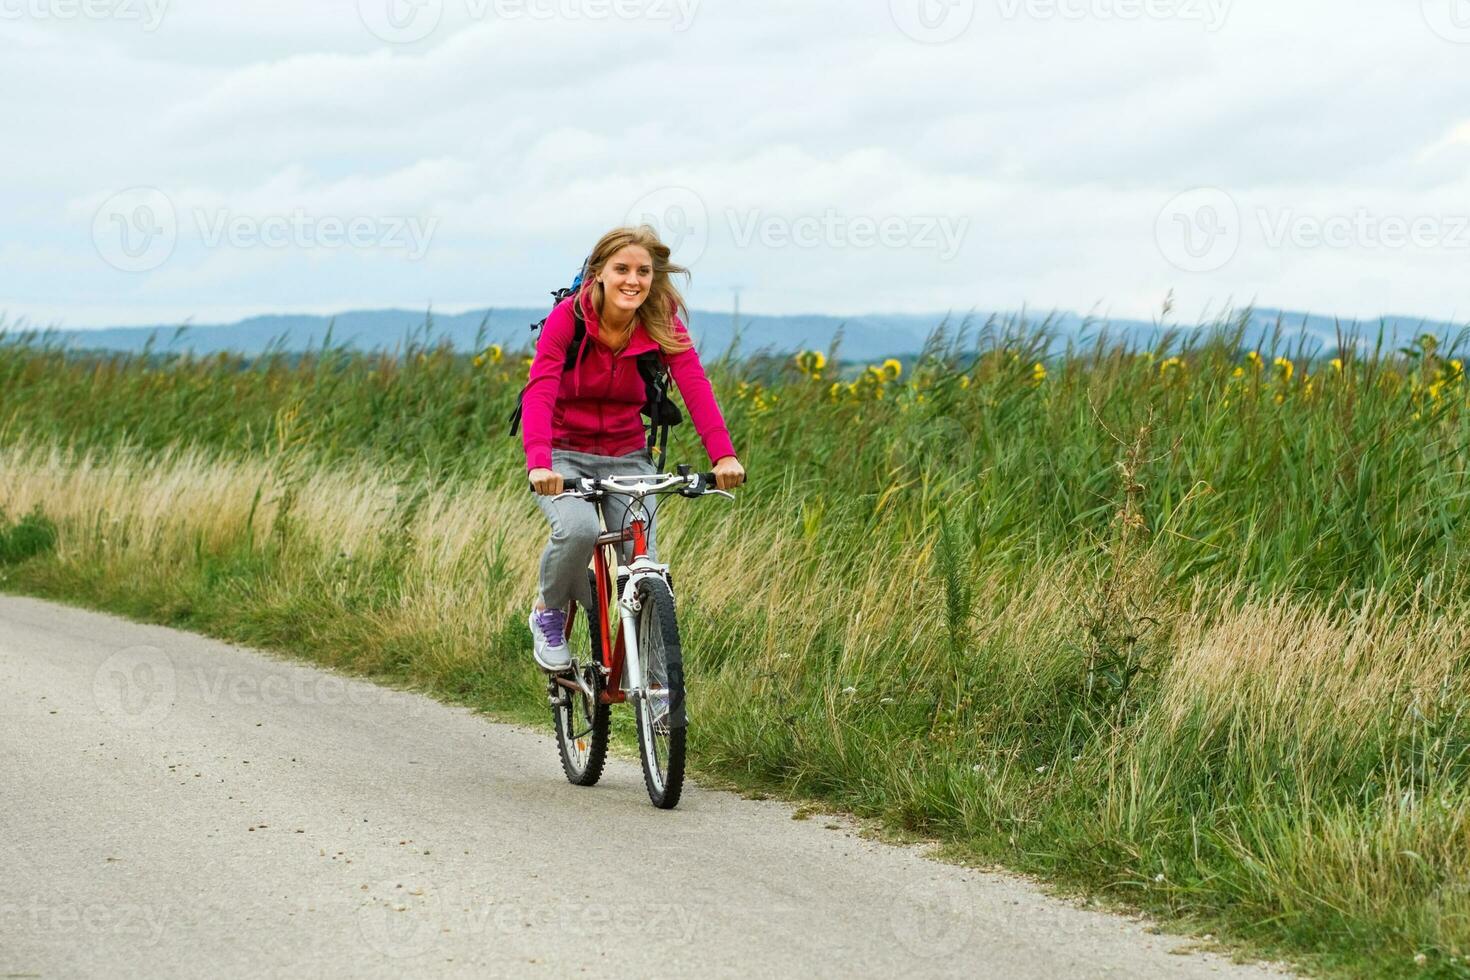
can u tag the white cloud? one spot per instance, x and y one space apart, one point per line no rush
1046 144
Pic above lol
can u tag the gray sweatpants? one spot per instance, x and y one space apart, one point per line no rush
574 525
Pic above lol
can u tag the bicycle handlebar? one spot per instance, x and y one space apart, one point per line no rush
692 485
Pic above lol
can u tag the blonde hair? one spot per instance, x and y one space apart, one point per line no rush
664 299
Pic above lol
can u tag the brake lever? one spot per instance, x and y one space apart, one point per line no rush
578 493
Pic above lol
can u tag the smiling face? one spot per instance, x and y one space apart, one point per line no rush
626 279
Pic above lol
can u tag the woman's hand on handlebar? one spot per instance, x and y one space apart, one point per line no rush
546 482
729 474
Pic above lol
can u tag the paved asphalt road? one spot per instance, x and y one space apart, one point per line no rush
176 806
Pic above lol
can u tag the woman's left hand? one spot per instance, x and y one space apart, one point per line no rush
729 474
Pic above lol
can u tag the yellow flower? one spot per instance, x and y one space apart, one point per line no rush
1238 373
479 359
1435 389
1337 364
964 381
1038 372
1280 399
1286 367
1173 362
1254 359
811 362
892 365
1457 368
496 354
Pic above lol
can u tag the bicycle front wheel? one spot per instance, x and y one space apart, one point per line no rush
660 710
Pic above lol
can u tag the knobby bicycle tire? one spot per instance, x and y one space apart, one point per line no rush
664 778
574 721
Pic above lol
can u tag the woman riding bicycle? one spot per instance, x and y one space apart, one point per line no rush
585 421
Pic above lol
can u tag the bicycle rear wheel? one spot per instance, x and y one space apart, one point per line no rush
582 724
662 721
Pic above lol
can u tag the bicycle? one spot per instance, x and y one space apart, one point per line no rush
645 652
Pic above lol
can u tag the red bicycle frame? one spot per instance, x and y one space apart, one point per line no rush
610 653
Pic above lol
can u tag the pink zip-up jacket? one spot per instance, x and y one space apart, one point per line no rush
596 406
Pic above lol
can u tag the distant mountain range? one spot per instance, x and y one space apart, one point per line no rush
867 337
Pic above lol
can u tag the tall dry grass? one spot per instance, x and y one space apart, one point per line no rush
1187 632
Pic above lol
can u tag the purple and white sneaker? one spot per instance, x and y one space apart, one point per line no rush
548 630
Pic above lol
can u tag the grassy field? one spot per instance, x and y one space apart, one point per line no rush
1184 627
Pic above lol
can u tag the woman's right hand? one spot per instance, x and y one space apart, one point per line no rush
546 482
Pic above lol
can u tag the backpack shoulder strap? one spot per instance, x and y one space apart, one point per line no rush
652 366
579 330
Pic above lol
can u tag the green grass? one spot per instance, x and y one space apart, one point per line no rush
1188 634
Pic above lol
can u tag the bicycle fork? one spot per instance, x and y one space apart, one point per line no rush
628 609
628 606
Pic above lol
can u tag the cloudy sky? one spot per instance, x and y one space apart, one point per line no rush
166 160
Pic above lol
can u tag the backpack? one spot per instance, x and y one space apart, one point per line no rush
660 409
